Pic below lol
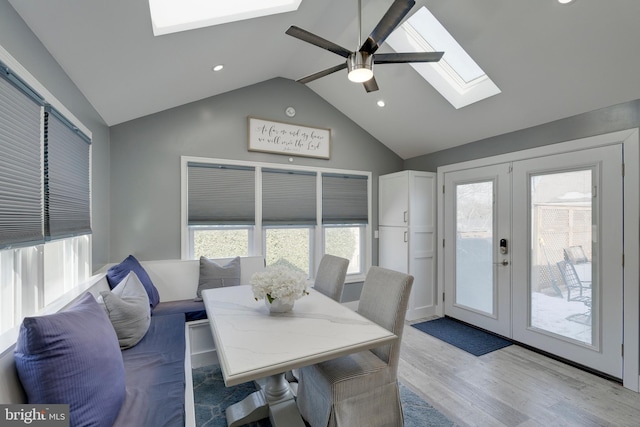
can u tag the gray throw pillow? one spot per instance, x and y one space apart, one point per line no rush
127 306
213 275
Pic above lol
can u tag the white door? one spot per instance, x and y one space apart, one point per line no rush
567 256
533 251
477 272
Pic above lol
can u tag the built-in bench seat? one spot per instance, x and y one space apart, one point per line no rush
159 387
155 375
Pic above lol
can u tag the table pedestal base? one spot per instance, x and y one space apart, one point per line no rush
274 400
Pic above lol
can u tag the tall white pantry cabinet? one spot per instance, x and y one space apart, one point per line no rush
407 234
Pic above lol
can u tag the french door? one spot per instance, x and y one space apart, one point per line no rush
478 272
533 251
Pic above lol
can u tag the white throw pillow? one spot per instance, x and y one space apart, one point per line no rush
127 306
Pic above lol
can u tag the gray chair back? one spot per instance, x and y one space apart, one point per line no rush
330 276
384 299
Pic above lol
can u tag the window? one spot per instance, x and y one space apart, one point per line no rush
172 16
345 241
45 212
456 76
221 209
289 217
66 265
290 247
220 242
293 216
345 207
33 277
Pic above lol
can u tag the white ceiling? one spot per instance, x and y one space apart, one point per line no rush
550 61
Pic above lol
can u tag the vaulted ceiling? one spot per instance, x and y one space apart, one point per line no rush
550 61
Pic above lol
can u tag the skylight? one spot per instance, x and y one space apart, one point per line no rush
456 76
172 16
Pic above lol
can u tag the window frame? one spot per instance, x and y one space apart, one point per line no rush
256 245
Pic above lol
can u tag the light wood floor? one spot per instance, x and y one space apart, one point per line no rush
511 387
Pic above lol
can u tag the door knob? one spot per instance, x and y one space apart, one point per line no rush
503 262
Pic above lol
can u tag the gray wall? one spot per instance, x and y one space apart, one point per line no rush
597 122
24 46
145 157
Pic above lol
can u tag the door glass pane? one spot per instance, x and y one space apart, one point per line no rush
561 254
474 246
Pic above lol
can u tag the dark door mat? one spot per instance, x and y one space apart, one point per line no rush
465 337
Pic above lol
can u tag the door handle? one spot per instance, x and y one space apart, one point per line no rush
406 219
406 236
503 262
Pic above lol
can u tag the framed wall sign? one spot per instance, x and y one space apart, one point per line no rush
288 139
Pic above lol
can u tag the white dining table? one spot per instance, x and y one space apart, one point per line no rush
255 345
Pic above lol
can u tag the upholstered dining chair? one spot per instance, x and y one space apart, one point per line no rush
330 276
361 389
329 281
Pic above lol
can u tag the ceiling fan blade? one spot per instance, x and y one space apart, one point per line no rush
308 37
400 58
387 24
371 85
322 73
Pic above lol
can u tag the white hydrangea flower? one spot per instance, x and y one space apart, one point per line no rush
279 282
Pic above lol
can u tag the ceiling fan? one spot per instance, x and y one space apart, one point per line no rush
360 63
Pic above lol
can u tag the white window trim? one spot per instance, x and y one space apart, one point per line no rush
255 247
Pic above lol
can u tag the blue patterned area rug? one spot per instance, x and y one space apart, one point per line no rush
465 337
212 398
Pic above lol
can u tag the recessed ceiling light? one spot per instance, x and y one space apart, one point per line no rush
565 1
218 67
381 103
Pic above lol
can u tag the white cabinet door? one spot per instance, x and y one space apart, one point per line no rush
422 302
394 248
393 199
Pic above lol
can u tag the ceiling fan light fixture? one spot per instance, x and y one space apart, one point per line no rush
360 66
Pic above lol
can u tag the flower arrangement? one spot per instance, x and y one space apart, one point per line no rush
280 283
